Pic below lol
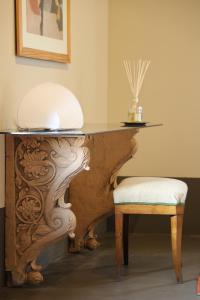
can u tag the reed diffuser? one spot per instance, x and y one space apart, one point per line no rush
135 72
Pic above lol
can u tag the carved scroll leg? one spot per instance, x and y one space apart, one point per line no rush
91 241
44 167
35 276
77 242
84 238
27 269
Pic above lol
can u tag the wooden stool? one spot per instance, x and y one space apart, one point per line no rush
150 196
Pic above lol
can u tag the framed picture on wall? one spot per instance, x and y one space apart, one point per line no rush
43 29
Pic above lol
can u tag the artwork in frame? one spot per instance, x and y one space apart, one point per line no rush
43 29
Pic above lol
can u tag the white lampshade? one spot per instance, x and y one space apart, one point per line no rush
50 106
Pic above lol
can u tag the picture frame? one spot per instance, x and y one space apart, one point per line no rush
43 29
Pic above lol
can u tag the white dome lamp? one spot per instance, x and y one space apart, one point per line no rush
50 106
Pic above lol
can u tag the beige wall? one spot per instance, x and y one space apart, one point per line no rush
86 76
164 31
168 33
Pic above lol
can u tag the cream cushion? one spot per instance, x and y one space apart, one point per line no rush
150 190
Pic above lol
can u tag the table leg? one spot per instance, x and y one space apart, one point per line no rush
91 193
39 170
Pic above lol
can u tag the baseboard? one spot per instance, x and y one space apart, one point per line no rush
2 247
160 224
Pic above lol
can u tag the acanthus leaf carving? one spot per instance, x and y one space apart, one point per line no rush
44 168
29 206
34 164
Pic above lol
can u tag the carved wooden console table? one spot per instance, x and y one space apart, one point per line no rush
39 168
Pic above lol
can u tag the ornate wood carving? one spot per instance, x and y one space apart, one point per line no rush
91 193
39 170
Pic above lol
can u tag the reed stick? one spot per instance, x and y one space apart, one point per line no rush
135 72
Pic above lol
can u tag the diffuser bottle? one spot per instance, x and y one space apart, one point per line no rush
132 111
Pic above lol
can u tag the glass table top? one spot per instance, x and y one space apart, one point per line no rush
88 129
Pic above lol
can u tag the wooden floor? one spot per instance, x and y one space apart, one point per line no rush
92 275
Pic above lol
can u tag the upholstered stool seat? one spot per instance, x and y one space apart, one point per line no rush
149 195
150 190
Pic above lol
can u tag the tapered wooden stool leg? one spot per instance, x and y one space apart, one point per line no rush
198 286
118 238
125 238
176 239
